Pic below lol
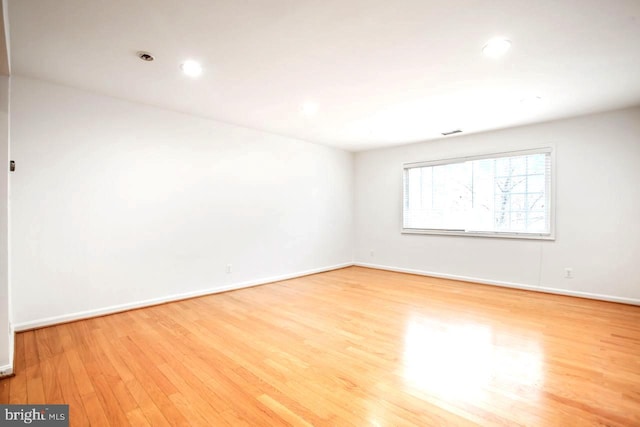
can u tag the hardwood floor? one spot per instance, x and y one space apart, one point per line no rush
351 347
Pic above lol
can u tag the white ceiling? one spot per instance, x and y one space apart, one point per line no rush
383 72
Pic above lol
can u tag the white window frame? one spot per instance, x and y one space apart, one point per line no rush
500 234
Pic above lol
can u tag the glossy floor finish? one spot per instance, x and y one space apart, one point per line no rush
351 347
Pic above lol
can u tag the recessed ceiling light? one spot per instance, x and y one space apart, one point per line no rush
309 108
495 48
145 56
191 68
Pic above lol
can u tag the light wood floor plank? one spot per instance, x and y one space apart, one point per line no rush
52 386
136 418
146 404
109 402
149 382
70 393
4 390
79 373
94 411
18 383
35 388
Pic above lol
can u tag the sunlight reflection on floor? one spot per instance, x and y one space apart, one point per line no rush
461 362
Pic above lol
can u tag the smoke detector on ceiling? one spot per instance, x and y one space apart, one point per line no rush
145 56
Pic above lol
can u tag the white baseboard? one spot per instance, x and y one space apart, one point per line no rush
6 370
550 290
48 321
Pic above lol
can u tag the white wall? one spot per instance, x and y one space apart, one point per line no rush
115 202
597 215
6 334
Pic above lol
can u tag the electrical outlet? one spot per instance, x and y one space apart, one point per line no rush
372 253
568 273
229 268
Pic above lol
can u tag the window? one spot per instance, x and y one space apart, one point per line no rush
503 195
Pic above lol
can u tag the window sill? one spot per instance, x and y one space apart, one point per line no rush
523 236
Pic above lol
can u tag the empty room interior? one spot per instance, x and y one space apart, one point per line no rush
320 213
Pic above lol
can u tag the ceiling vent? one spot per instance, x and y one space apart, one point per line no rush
451 132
